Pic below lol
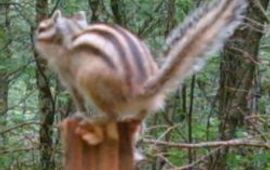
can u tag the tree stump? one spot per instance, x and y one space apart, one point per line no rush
98 145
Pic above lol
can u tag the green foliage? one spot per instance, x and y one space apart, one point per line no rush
177 157
248 159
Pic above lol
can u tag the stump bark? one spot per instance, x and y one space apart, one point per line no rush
98 145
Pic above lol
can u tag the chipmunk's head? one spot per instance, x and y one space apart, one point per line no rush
55 33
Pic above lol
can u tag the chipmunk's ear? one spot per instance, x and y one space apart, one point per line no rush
56 15
80 16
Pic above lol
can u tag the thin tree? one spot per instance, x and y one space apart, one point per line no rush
117 9
95 6
237 74
5 54
46 101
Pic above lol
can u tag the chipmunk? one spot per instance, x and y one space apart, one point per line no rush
111 69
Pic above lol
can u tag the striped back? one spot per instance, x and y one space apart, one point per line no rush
121 50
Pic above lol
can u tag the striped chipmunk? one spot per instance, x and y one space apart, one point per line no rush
109 68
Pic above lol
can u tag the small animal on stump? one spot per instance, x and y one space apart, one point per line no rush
110 70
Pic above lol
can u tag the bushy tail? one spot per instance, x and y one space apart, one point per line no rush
204 31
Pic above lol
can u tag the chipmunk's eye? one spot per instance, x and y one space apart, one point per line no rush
41 29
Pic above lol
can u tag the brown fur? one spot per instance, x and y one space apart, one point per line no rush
111 68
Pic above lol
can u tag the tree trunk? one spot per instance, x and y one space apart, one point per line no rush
170 17
117 9
237 75
96 6
5 54
46 102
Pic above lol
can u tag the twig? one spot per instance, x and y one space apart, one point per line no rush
234 142
20 125
166 160
5 151
263 10
203 158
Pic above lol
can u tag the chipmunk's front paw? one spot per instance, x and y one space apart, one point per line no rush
90 132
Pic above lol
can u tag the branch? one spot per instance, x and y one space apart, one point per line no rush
20 125
193 164
234 142
6 151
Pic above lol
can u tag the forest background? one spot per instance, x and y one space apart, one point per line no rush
219 119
